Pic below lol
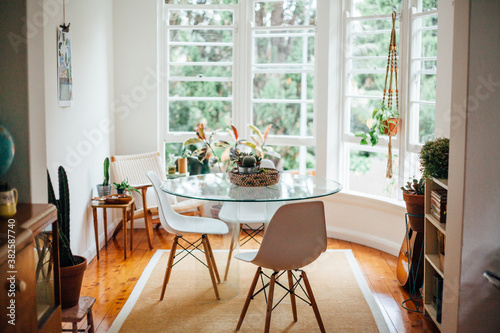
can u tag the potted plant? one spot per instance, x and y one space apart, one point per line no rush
124 186
72 267
434 158
384 121
413 195
182 161
105 188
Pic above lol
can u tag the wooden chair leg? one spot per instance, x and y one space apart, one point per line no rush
75 328
105 220
249 298
124 225
313 302
206 248
229 256
292 295
131 225
169 266
270 302
90 321
216 271
201 210
147 220
96 232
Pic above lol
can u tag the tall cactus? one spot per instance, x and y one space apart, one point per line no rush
62 205
106 172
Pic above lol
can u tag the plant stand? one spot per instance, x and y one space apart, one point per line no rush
415 294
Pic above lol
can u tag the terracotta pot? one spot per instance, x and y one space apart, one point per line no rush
391 126
71 282
415 206
182 165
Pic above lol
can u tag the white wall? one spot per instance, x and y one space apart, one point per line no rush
81 136
135 77
479 300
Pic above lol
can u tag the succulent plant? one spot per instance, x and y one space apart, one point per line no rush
106 172
416 187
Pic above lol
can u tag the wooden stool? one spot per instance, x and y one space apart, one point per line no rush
77 313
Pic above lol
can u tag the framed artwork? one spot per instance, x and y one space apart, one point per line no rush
64 70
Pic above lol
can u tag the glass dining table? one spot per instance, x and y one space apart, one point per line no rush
265 200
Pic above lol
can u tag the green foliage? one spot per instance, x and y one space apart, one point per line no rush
379 124
360 162
124 185
66 257
416 187
106 172
434 157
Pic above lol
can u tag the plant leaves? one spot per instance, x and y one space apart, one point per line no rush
267 132
255 130
192 141
235 131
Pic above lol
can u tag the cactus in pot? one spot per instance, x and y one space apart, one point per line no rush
105 188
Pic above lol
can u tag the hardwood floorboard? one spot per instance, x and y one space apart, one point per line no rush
111 279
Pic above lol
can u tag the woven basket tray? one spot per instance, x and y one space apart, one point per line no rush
270 177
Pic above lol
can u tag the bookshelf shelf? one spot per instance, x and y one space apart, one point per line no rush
436 191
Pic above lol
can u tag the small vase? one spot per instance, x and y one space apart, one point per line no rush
120 191
103 190
182 165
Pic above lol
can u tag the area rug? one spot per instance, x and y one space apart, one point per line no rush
344 299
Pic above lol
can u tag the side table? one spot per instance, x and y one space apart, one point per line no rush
127 208
75 314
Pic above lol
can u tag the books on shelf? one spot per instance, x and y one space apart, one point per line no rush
438 204
437 296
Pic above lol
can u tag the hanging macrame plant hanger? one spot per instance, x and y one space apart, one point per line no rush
391 75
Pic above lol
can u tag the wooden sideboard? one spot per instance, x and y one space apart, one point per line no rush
29 270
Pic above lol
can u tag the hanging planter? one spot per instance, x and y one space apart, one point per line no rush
385 119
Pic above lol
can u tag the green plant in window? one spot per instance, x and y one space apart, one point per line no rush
383 122
434 157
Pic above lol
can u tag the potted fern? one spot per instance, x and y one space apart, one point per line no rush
72 267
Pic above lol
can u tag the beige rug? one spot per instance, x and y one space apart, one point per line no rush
343 296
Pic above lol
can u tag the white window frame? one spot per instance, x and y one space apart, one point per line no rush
406 143
243 66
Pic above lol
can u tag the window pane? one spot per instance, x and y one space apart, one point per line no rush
369 64
201 35
186 115
202 2
361 110
370 37
201 53
367 84
282 86
427 87
286 118
375 7
288 12
199 89
200 17
290 157
367 173
201 71
429 43
429 5
283 47
426 115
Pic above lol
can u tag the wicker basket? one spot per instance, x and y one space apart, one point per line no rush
270 177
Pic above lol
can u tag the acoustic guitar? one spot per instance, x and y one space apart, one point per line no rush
408 260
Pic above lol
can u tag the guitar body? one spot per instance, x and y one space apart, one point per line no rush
408 260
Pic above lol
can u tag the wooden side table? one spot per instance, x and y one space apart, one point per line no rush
127 208
75 314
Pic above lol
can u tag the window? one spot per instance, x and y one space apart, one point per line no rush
367 29
246 62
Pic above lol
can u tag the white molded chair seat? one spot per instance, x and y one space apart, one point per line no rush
181 225
295 238
133 168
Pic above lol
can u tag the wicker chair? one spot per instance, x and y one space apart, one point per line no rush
133 168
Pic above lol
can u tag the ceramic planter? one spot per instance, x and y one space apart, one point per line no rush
391 126
71 282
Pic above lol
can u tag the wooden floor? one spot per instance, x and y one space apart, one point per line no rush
111 279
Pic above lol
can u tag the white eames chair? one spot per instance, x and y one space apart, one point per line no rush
295 238
246 213
181 225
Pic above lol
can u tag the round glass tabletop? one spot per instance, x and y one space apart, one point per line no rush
217 187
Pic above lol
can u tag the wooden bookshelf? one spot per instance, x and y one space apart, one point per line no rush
434 253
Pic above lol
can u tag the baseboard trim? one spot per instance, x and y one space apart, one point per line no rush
364 239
